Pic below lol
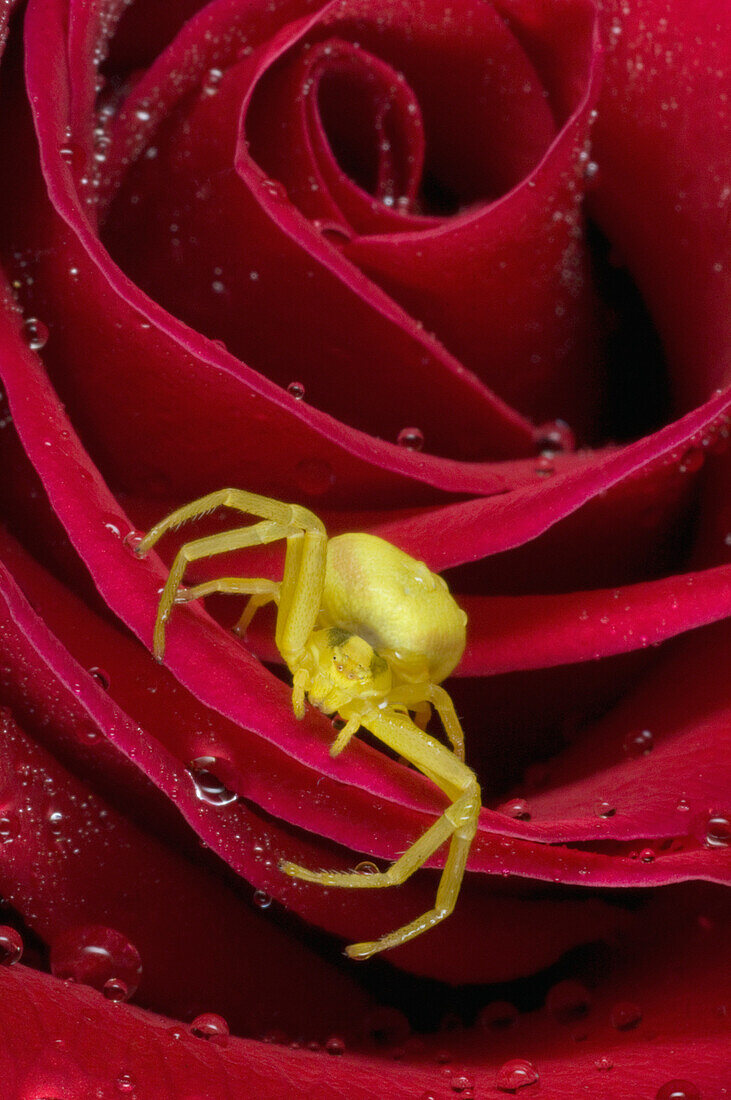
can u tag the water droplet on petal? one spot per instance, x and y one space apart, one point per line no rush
638 743
683 806
296 390
647 855
517 808
261 899
35 333
516 1074
555 437
692 460
568 1001
335 1045
591 171
411 439
679 1089
544 467
461 1083
208 787
125 1082
94 954
114 989
718 831
11 945
210 1026
7 828
101 677
55 820
626 1015
604 808
604 1064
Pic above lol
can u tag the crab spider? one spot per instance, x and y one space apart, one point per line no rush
368 633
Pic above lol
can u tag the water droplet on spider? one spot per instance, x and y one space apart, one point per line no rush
296 390
114 989
261 899
517 808
497 1016
366 867
602 808
210 1026
626 1015
335 1045
133 539
678 1089
35 333
314 476
568 1001
604 1064
386 1027
125 1082
638 743
101 677
718 831
11 945
93 955
516 1074
208 787
411 439
555 437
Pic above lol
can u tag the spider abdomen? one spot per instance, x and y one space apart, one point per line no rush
394 602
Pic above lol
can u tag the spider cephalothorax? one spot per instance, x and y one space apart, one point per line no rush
368 633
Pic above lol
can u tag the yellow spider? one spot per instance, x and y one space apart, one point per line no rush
367 632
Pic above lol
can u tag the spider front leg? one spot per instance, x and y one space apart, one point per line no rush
298 595
457 824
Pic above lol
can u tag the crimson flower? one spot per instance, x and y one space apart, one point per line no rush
457 274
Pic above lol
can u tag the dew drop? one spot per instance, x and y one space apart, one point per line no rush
274 189
497 1016
516 1074
555 437
683 806
93 955
314 476
626 1015
461 1083
679 1089
692 460
517 808
7 828
55 820
335 1045
366 867
132 540
142 114
213 79
261 899
604 1064
604 808
125 1082
208 787
544 467
568 1001
591 171
386 1027
296 390
718 831
210 1026
35 333
647 855
11 945
411 439
114 989
638 743
101 677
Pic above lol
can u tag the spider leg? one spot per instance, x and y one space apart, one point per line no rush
458 822
412 695
299 594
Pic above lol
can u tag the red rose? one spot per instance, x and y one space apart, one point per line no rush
375 258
